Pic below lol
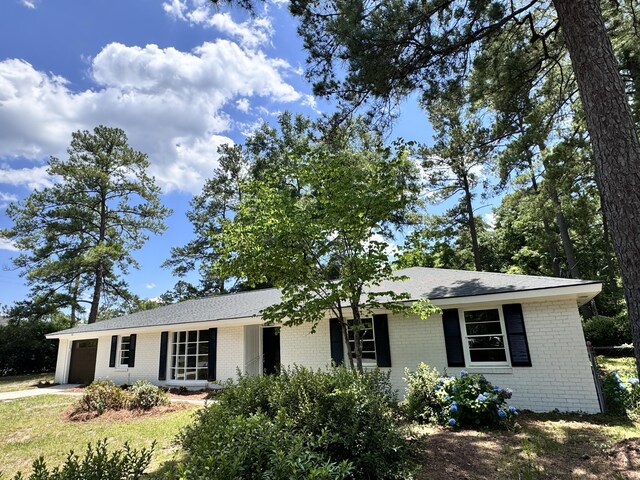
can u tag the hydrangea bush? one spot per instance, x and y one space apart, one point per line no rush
622 395
467 401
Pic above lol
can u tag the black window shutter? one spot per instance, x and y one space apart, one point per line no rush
381 332
337 344
213 346
453 337
516 335
132 350
114 351
164 343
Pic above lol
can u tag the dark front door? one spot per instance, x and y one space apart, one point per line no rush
271 350
83 361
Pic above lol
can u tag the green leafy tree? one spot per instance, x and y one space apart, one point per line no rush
315 227
78 235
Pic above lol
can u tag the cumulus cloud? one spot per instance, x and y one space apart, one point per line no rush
170 103
251 33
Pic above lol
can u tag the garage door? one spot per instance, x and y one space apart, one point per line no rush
83 361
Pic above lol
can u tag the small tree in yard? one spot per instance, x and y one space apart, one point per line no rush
315 227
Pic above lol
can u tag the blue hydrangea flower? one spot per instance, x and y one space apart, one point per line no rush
447 397
496 389
453 408
513 410
463 373
438 387
633 381
481 398
501 413
453 389
452 421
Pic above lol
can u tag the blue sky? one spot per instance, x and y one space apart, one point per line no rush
178 77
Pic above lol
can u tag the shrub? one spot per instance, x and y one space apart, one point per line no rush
465 401
622 395
343 418
607 331
144 395
103 395
98 464
421 401
254 446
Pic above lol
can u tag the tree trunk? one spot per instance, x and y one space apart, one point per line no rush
613 137
611 272
97 292
357 323
567 244
472 224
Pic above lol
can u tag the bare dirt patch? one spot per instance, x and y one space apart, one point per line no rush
547 447
72 415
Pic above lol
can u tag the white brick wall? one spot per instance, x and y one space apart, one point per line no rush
560 375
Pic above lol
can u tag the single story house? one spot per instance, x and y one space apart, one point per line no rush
522 332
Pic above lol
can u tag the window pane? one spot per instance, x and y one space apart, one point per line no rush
183 336
191 348
491 355
203 374
204 335
181 348
203 361
192 336
369 346
482 316
369 355
204 348
484 328
486 342
191 362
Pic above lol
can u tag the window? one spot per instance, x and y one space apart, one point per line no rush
368 339
125 351
485 340
190 355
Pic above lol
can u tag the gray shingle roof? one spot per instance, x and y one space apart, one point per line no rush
432 283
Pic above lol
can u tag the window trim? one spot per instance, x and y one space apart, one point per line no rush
119 363
366 362
171 353
465 337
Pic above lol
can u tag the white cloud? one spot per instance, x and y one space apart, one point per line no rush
171 104
8 245
28 3
243 105
490 219
251 33
6 199
150 285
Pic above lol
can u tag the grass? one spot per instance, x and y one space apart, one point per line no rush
626 366
36 426
23 382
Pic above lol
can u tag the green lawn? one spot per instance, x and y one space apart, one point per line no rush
624 365
23 382
36 426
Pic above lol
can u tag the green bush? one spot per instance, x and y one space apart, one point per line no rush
421 402
253 446
622 395
345 419
144 395
103 395
98 464
607 331
465 401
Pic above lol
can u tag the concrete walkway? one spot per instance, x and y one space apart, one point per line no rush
62 390
34 392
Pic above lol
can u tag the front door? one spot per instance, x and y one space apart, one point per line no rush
271 350
82 368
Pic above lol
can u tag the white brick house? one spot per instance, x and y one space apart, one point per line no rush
521 332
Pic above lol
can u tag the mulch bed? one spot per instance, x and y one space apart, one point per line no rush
124 415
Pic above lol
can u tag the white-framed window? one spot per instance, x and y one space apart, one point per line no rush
368 339
125 351
485 342
189 355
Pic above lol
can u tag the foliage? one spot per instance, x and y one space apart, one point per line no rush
145 395
467 401
254 446
344 418
103 395
76 237
24 348
607 331
97 464
622 394
315 223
